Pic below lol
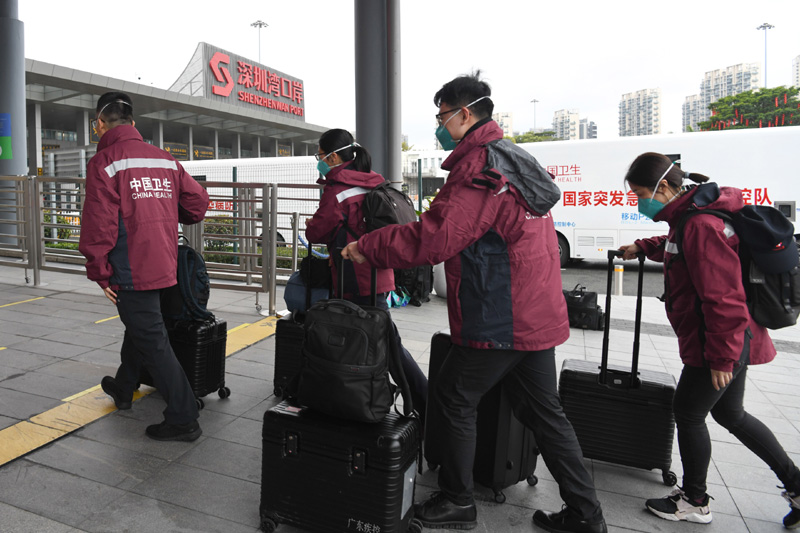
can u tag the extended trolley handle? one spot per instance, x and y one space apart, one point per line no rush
634 375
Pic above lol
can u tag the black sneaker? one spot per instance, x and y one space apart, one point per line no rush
110 387
439 512
183 432
568 521
677 506
792 520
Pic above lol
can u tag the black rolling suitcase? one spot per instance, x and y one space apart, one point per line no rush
506 451
327 474
288 351
289 335
621 415
200 349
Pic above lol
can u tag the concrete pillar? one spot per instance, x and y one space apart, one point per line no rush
158 134
236 149
216 144
82 127
14 154
377 58
34 123
257 145
275 148
191 144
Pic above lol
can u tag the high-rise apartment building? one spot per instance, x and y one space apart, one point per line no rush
505 121
640 113
587 129
718 84
796 71
565 124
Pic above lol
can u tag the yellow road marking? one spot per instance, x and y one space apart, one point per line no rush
2 347
23 301
107 319
92 404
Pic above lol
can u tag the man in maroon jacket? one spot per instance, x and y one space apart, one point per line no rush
136 194
505 304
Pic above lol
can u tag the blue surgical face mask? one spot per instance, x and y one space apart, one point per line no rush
323 167
443 135
650 207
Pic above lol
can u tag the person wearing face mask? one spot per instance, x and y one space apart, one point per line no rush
347 177
717 337
506 309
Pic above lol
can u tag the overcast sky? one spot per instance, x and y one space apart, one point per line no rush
580 55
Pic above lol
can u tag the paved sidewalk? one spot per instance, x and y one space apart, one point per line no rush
58 340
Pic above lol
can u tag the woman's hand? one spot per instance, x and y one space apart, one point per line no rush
720 379
629 251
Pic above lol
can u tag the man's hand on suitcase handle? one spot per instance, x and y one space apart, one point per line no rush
351 252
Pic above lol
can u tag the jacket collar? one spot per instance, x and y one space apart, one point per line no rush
118 134
478 135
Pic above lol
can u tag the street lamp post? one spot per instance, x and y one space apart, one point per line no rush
534 114
259 24
766 26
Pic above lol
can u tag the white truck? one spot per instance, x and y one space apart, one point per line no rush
596 212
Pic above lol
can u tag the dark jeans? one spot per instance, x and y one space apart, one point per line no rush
417 381
694 399
146 344
530 378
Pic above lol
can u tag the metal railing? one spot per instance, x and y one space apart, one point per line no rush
40 224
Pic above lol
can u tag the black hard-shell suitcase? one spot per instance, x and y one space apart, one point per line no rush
506 452
200 349
326 474
288 351
621 415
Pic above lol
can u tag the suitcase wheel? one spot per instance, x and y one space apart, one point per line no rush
415 526
669 477
200 403
224 392
499 497
533 480
268 523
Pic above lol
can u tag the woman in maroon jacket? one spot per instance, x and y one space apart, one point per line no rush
717 337
347 177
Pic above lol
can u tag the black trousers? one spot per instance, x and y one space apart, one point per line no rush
694 399
146 344
530 378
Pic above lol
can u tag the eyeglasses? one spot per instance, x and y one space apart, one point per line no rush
94 124
319 157
443 113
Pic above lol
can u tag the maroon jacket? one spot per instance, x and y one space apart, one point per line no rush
129 228
501 259
706 301
340 206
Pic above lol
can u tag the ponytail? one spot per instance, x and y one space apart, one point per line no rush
342 142
697 178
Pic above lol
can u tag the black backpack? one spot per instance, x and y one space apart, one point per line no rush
384 205
770 261
188 300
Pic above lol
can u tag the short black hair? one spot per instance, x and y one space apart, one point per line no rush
116 108
464 90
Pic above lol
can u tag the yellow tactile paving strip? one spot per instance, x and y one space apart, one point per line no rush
87 406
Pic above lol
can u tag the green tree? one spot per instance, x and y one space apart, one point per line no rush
760 108
531 137
406 147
